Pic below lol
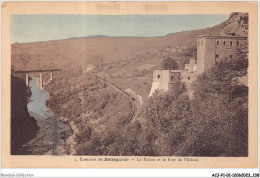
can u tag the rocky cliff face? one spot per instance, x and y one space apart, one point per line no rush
23 126
237 25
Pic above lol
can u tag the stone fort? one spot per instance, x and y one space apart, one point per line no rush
210 50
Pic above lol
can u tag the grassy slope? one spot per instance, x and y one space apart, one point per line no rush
76 51
90 109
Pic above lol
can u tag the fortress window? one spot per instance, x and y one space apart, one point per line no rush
231 43
217 56
230 56
217 42
188 78
159 76
224 42
237 43
171 77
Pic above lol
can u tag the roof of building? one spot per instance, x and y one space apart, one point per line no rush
220 36
175 70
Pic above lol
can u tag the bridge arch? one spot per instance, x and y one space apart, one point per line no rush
27 72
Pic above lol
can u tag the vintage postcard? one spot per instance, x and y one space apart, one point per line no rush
129 85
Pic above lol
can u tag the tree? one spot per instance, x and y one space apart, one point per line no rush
219 111
169 64
168 116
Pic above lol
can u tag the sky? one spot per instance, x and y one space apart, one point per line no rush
31 28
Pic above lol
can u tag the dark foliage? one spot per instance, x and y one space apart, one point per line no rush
213 123
169 64
23 126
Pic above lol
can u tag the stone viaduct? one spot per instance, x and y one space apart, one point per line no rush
27 72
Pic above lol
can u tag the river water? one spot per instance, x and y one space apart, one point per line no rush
43 143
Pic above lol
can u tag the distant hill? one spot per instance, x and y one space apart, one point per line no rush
77 51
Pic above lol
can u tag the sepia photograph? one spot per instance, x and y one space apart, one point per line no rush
125 86
138 85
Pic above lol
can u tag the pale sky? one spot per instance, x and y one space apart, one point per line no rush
31 28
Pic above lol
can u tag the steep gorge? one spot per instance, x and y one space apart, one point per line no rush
23 126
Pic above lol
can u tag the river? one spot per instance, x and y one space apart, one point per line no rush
52 130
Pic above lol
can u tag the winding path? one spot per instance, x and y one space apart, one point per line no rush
131 99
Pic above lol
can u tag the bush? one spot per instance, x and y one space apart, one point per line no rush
169 64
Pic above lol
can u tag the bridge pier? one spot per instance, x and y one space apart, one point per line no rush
51 76
41 81
27 79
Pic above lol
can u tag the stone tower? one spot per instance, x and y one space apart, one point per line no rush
211 49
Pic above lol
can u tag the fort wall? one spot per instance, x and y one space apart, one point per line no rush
160 81
210 50
164 80
200 55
